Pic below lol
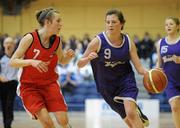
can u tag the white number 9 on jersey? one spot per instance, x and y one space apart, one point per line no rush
107 53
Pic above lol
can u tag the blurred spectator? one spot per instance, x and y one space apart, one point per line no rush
63 42
146 48
87 74
1 45
2 37
8 82
154 51
137 42
68 82
72 42
85 41
17 39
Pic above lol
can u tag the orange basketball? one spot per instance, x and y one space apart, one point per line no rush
155 81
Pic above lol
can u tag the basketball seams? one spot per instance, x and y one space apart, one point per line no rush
146 81
160 77
164 76
152 82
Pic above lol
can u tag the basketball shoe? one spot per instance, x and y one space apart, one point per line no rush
143 117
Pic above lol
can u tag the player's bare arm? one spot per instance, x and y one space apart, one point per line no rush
17 58
159 61
135 60
90 53
64 57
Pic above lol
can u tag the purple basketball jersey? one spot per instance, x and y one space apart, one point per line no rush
171 69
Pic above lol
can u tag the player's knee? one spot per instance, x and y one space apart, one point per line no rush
63 121
130 115
48 123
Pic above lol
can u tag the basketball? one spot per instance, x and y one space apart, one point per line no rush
155 81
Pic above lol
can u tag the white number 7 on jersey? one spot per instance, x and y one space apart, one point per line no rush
36 51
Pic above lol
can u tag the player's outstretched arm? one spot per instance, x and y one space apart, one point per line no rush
90 53
136 61
17 58
159 60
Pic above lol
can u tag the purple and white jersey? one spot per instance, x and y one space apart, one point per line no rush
171 69
112 63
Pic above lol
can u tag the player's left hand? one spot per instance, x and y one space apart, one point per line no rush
176 59
70 53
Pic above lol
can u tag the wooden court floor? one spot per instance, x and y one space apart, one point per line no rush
78 120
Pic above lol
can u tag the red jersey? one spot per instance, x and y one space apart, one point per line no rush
36 51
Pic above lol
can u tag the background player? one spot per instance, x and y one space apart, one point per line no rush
8 82
38 54
110 53
169 59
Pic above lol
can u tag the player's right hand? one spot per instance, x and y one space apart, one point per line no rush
92 55
41 66
3 79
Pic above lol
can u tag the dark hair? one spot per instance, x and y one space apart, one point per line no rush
175 19
118 13
46 13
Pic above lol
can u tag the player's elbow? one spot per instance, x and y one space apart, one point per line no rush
12 63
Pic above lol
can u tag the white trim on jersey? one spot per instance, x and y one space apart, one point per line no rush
109 42
129 41
61 91
118 98
99 44
159 42
172 43
18 76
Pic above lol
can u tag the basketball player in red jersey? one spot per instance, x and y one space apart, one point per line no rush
37 55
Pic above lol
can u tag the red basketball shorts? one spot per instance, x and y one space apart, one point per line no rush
35 97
